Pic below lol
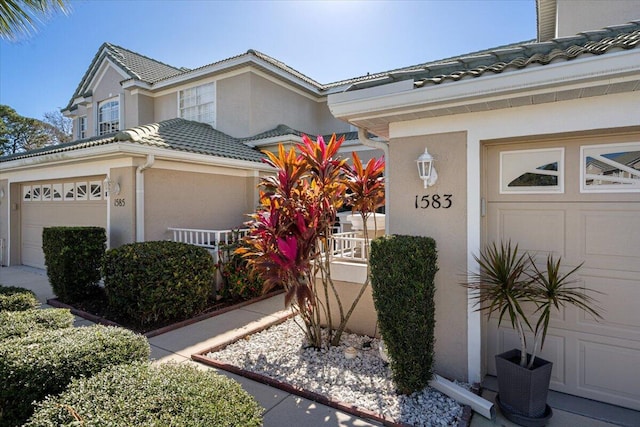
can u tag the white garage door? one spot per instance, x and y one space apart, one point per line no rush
67 203
579 199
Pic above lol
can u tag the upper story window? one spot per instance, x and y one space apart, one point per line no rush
108 117
82 127
198 103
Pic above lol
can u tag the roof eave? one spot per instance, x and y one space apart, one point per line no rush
399 102
120 149
247 59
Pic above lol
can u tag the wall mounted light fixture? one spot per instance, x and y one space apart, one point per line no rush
1 192
111 186
426 170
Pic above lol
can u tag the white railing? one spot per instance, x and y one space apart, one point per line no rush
210 239
347 246
350 247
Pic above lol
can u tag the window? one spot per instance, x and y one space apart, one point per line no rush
46 192
95 190
69 191
26 193
198 103
56 192
611 168
82 127
532 171
108 117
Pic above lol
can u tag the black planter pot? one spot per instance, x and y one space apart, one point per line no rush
523 392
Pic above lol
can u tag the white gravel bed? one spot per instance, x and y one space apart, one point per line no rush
365 381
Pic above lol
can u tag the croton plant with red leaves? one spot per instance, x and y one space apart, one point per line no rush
294 223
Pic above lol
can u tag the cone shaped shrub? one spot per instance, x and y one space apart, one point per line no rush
402 273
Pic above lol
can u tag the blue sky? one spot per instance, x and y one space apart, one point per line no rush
326 40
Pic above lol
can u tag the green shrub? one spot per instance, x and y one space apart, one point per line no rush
21 323
239 282
13 298
154 283
43 363
142 394
73 256
402 273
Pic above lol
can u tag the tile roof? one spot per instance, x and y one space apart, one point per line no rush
512 57
173 134
141 67
278 131
190 136
136 66
284 130
630 159
60 148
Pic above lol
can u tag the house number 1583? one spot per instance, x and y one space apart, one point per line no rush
434 201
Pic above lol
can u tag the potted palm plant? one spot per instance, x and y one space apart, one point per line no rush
507 281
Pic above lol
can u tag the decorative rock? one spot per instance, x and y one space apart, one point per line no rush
364 381
350 353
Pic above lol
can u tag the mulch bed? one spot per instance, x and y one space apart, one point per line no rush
96 311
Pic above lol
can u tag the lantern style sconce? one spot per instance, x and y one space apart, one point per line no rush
426 170
112 187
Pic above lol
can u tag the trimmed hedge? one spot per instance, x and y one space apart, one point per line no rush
13 298
73 256
142 394
42 363
154 283
20 323
239 281
402 273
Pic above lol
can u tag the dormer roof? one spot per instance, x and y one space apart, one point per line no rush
135 65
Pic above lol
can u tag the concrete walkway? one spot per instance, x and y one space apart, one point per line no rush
281 409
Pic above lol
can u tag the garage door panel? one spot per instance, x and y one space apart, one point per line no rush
594 359
619 299
515 222
37 214
608 371
610 239
553 351
32 244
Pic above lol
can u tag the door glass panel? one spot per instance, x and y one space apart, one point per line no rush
532 171
611 168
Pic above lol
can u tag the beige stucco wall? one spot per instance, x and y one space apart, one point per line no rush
448 228
180 199
139 110
4 220
249 104
15 224
165 107
363 320
122 217
233 105
574 16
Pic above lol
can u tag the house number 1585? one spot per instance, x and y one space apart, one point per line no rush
434 201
